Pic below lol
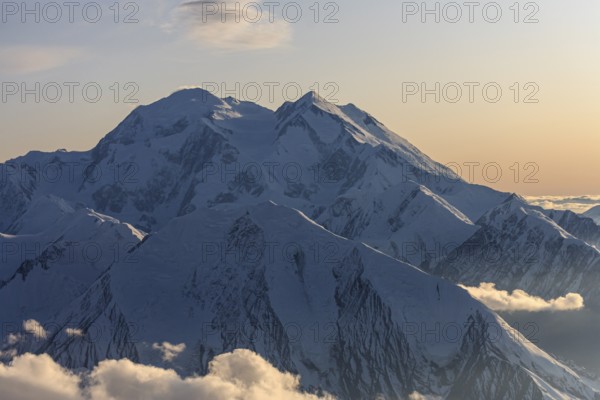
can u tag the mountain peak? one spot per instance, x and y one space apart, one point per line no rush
310 101
311 97
593 213
192 95
515 198
183 103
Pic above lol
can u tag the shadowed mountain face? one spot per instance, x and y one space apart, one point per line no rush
192 150
519 246
593 213
221 225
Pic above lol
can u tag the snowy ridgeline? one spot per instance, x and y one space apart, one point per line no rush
200 226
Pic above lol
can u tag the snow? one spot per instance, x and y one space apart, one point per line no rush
309 267
593 213
56 255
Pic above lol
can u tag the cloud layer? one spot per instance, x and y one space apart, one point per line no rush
578 204
30 59
519 300
233 376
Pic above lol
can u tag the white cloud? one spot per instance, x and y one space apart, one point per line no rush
419 396
519 300
241 375
207 24
74 332
169 351
34 328
30 59
13 339
37 377
578 204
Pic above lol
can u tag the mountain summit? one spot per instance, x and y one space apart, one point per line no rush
300 234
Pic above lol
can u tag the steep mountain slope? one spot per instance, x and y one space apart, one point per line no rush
347 318
580 226
519 247
57 253
407 222
223 268
593 213
194 150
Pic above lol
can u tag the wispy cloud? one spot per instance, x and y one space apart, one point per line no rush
419 396
169 351
31 59
209 24
578 204
519 300
233 376
74 332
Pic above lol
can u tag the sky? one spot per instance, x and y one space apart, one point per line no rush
526 121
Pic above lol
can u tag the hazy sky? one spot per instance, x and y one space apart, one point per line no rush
375 56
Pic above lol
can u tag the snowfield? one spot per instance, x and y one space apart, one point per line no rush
205 237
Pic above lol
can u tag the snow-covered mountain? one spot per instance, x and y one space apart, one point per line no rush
583 227
193 150
56 253
519 246
593 213
349 319
285 232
